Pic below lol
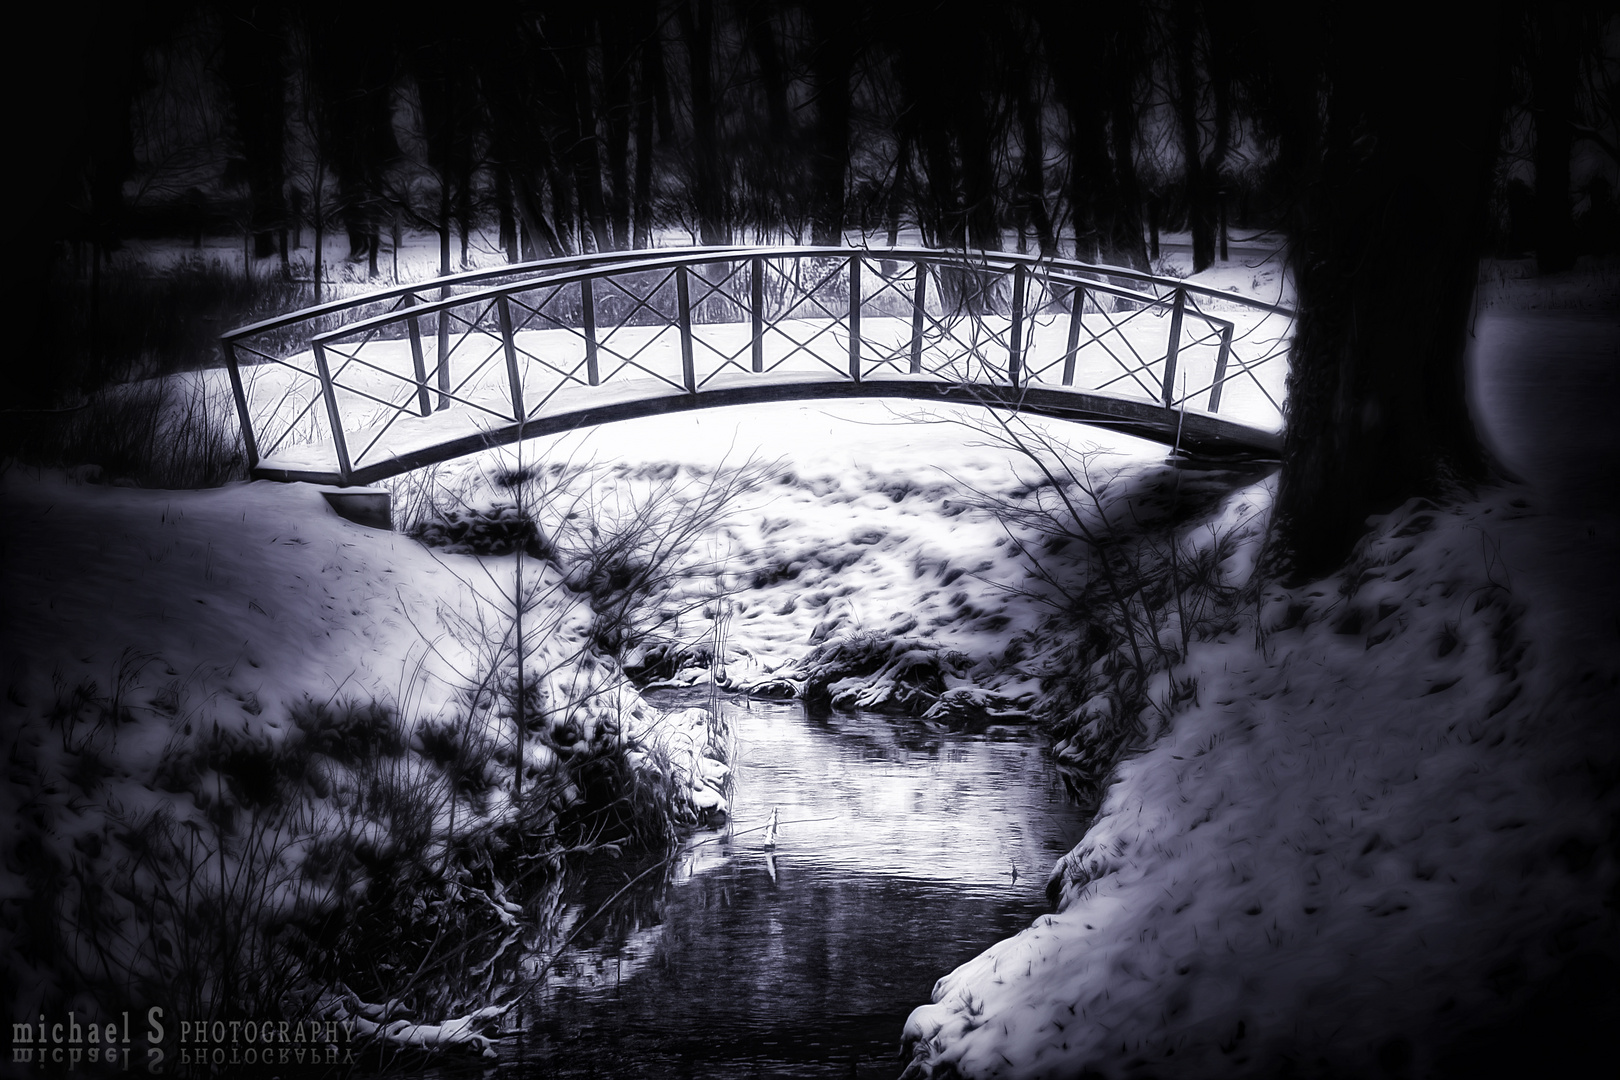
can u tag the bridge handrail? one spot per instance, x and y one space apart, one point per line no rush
1068 275
466 277
656 257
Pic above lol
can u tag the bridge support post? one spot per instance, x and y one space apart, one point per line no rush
1015 340
249 443
756 301
587 307
683 299
855 317
919 306
1077 308
443 359
1177 313
419 365
518 412
329 392
1220 368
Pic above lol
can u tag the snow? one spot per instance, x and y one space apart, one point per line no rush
144 623
231 607
1340 849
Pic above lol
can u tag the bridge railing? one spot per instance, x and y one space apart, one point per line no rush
383 377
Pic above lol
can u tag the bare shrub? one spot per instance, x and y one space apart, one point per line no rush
178 432
1129 566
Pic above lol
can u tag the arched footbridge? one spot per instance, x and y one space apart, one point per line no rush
360 389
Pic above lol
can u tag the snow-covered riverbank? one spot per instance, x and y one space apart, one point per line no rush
240 682
1382 839
1380 830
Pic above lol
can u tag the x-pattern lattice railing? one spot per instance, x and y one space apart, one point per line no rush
478 359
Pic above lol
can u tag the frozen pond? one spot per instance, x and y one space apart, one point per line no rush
894 863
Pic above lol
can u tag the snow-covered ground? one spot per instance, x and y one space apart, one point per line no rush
170 653
1381 828
1381 841
178 611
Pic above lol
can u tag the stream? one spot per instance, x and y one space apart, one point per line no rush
904 850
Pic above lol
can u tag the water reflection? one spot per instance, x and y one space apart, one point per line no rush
903 849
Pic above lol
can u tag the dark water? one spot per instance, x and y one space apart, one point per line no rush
895 863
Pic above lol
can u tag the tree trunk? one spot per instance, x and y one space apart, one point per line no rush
1200 190
532 213
1553 63
254 77
583 154
508 221
1032 171
1376 406
616 57
643 196
320 230
1126 245
707 177
833 62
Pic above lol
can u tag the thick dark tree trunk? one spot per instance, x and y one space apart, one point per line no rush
949 222
1126 246
1032 170
616 83
503 206
562 207
777 174
517 142
762 43
255 79
1097 81
1385 254
354 88
978 173
652 85
707 173
1199 174
526 193
1553 62
644 173
583 152
833 61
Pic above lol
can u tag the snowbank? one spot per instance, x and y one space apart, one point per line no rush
1378 832
238 678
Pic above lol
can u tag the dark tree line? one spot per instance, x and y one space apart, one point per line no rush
581 127
588 127
1367 137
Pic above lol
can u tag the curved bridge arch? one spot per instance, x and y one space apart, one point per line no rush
356 390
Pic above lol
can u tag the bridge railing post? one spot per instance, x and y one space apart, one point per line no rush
329 392
442 361
683 298
919 304
1015 339
1077 308
587 307
1177 313
1220 368
756 309
249 443
512 377
418 363
855 317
